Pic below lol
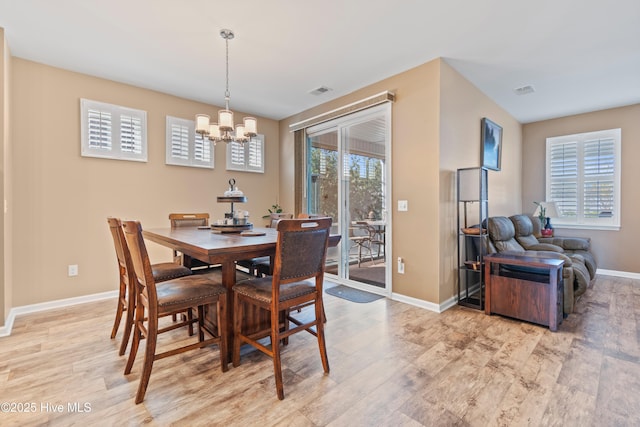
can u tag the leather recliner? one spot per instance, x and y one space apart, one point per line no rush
502 239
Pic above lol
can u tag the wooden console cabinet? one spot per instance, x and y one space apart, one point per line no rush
516 288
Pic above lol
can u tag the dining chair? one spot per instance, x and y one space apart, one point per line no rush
261 266
360 237
376 235
301 250
126 295
189 220
156 300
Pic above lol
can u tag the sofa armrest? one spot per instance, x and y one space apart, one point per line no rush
568 243
546 247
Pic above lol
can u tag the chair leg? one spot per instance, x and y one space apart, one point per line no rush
371 253
237 329
275 348
128 324
137 336
119 310
222 332
149 357
320 319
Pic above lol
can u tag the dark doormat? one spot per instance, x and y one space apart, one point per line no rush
352 294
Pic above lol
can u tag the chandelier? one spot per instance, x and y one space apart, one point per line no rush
224 129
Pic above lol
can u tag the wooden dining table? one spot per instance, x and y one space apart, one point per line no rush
224 249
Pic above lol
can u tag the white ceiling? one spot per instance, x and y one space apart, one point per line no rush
580 55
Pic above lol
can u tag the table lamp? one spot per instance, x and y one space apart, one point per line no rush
546 210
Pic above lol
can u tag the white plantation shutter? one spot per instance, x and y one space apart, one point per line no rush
99 123
236 159
202 148
185 147
599 178
112 132
563 168
583 178
254 155
248 157
131 134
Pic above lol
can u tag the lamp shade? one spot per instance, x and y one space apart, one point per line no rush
550 209
225 120
250 126
472 184
240 133
214 131
202 123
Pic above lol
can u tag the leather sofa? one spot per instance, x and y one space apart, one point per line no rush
504 238
528 226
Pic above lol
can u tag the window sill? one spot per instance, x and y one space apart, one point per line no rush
587 226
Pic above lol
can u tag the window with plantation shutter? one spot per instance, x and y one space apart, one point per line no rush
112 132
583 179
248 156
185 147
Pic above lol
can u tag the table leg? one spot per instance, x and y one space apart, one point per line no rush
229 280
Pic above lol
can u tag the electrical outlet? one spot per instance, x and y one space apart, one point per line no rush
73 270
403 205
400 265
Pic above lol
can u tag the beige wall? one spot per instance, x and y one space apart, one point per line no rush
435 130
62 199
5 292
462 108
415 177
614 250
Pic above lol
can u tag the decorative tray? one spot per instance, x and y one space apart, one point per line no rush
473 265
232 199
231 228
473 230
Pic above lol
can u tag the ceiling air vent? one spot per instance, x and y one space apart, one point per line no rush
320 90
524 90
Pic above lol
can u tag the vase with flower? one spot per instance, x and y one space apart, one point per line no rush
545 224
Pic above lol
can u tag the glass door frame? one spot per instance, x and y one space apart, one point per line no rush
340 125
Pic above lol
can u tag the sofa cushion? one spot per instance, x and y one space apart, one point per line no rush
524 228
569 243
544 247
502 235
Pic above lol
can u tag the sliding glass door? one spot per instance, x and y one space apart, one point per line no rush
347 179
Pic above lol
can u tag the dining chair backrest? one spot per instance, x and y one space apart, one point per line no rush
277 217
301 249
144 284
122 251
303 215
188 219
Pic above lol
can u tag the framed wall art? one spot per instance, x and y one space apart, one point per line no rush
491 144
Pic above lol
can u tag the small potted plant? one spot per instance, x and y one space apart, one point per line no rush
274 209
545 230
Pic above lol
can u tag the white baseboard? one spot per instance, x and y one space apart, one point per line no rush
616 273
49 305
438 308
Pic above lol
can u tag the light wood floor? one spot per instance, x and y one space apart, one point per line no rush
391 365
